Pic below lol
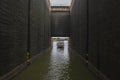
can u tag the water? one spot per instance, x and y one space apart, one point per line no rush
57 64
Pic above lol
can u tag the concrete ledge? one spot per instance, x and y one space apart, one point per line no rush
37 55
97 72
14 72
81 57
20 67
92 68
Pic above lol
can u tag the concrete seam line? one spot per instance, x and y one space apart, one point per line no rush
97 72
13 72
37 55
20 67
82 58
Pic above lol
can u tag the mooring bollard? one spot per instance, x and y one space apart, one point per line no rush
28 58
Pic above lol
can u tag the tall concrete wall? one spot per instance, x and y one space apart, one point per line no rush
78 33
39 26
104 21
14 31
60 23
101 19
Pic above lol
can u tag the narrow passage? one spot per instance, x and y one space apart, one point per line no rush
57 64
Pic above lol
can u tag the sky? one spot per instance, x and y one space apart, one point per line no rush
60 2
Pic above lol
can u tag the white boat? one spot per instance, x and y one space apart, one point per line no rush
60 44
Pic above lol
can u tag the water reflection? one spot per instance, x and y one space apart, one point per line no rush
59 63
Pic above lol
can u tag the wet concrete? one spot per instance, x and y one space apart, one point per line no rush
57 64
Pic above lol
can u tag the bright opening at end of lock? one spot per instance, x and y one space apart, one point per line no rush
60 2
60 42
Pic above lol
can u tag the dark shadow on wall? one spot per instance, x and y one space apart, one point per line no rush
14 33
95 31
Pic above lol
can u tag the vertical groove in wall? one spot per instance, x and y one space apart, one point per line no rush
24 26
103 33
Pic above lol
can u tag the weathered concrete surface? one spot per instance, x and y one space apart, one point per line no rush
39 26
95 29
104 33
78 32
14 31
60 23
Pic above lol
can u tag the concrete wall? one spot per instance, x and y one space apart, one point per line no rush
78 33
104 21
14 31
40 26
101 19
60 23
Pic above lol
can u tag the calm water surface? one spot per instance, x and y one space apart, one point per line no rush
57 64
